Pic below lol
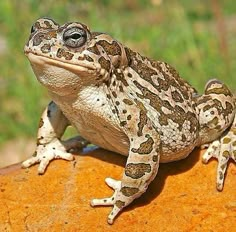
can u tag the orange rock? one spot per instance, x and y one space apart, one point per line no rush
183 197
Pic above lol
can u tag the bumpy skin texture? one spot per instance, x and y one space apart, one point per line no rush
123 102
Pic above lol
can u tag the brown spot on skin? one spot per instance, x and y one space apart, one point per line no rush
121 77
168 106
176 96
223 166
136 171
123 123
38 38
48 24
94 50
35 154
221 89
214 147
163 119
234 144
129 191
88 58
226 140
218 128
155 101
51 34
117 103
38 142
62 53
226 154
203 99
129 55
206 108
214 121
142 122
155 158
145 147
81 58
105 64
114 94
37 25
41 122
121 88
120 204
129 117
124 111
127 102
129 75
229 108
221 176
112 49
46 48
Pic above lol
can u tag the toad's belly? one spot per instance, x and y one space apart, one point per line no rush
104 136
100 132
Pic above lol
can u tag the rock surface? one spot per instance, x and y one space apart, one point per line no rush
183 197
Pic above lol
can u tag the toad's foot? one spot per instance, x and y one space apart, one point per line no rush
45 153
222 149
116 185
55 149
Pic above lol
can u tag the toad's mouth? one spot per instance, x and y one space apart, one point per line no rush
82 66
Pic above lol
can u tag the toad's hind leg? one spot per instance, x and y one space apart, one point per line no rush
218 125
222 149
141 168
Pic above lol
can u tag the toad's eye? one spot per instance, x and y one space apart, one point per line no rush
74 37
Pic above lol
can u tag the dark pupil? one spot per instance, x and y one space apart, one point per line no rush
75 36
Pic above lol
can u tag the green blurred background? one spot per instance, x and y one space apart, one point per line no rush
196 37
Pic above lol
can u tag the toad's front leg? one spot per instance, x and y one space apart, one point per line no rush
49 146
141 168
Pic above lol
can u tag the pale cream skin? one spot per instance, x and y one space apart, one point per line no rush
123 102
